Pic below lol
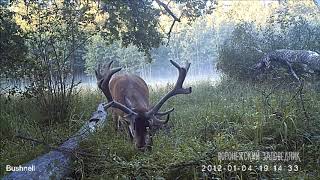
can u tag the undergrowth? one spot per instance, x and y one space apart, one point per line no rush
229 116
21 116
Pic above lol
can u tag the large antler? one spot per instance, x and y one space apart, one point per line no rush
103 84
178 89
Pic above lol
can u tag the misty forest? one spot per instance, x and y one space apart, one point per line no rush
158 89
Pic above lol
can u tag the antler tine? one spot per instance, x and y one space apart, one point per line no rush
178 89
164 113
109 64
182 75
162 121
104 86
121 107
98 73
99 68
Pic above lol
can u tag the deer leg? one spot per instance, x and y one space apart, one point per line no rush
129 133
124 127
115 119
119 123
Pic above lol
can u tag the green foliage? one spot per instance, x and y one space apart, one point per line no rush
137 22
55 33
54 36
194 43
290 30
99 52
13 49
133 22
236 54
284 30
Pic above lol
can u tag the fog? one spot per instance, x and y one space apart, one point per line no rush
154 75
157 77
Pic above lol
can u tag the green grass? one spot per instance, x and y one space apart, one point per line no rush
21 116
230 116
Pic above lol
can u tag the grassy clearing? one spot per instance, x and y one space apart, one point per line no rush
230 116
227 117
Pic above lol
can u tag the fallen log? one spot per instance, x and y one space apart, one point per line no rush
57 163
309 61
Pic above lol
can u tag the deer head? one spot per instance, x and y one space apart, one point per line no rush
140 120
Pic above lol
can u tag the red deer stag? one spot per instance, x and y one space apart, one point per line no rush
128 95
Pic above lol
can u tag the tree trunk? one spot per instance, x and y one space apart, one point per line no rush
57 164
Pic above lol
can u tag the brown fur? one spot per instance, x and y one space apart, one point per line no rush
135 90
131 87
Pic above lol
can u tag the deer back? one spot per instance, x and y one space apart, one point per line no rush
130 90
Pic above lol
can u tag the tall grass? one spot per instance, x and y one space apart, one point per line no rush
22 116
229 116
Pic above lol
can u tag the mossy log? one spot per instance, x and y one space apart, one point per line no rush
57 163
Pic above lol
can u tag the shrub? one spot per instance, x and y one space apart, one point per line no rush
248 43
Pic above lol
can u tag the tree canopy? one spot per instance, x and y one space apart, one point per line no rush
12 45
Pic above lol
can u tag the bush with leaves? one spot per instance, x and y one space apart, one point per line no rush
13 52
12 45
283 31
54 33
236 55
